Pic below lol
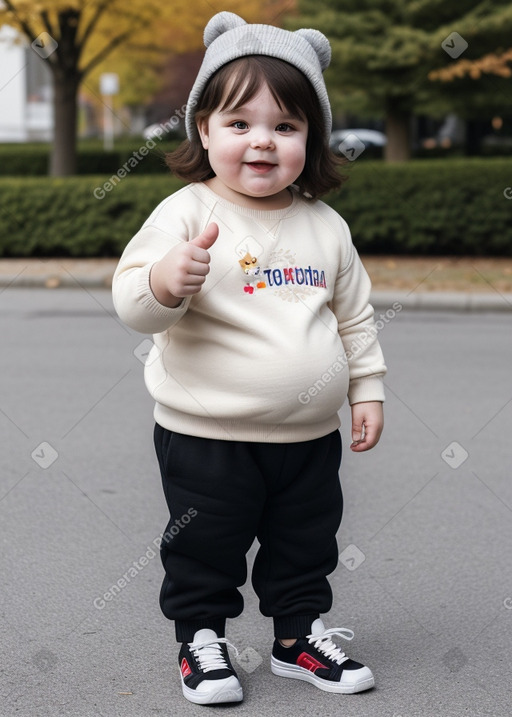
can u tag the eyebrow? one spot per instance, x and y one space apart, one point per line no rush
243 108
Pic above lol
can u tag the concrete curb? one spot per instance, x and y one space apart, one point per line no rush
381 300
442 301
102 280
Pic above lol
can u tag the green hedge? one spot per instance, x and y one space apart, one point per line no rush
33 160
455 207
62 217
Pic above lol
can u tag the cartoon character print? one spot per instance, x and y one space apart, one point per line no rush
249 264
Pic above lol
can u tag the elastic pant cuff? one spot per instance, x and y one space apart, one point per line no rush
293 625
186 629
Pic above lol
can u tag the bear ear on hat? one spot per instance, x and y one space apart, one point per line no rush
320 45
219 24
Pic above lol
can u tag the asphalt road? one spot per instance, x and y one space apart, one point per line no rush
424 577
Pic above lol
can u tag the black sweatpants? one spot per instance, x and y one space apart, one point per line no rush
223 494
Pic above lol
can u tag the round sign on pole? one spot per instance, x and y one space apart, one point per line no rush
109 83
109 86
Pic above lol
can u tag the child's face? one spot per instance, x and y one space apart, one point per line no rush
256 151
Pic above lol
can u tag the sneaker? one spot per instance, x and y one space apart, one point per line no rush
316 659
207 675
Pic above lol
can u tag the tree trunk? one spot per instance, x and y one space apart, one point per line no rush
398 133
475 132
65 93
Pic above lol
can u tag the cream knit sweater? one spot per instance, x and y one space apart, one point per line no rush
280 333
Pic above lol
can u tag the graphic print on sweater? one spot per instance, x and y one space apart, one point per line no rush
289 281
248 250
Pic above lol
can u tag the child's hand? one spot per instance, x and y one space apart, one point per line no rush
367 425
182 271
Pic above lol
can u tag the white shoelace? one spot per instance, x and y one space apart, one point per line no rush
209 654
325 645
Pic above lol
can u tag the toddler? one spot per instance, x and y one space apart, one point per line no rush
258 303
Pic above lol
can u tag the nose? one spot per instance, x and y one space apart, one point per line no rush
262 139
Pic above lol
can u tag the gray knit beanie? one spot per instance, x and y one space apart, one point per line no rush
228 37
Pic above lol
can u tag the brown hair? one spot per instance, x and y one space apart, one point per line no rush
291 90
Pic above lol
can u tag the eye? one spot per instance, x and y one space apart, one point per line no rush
239 124
284 127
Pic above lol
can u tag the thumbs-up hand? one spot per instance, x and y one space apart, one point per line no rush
207 239
183 270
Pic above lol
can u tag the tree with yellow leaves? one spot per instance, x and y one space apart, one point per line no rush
499 64
76 36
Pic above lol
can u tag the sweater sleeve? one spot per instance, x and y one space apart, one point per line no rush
356 326
134 301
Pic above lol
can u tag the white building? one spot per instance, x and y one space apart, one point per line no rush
26 112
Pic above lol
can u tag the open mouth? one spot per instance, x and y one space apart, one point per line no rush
260 166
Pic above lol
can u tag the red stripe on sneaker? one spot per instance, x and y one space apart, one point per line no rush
309 663
185 668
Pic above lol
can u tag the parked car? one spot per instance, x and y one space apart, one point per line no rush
162 130
367 137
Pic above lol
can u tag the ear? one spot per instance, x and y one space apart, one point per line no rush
219 24
320 45
202 128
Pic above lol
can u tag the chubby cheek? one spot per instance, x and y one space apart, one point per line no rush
229 153
225 152
297 158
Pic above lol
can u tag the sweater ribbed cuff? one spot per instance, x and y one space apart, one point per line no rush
149 300
366 388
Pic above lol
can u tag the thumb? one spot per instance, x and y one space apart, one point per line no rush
207 238
358 431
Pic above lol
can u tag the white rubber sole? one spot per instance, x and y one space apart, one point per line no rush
219 691
362 679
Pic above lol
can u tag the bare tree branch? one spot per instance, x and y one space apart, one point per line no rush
105 52
46 21
100 9
24 25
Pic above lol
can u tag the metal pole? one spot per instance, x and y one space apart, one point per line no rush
108 123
